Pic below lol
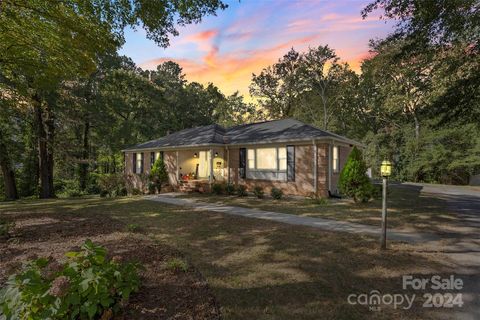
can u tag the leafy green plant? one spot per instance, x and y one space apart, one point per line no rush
230 189
258 192
86 286
177 265
354 182
217 189
133 227
5 227
136 192
276 193
242 190
111 184
158 174
151 187
316 199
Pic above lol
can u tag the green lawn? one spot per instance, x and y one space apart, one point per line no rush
257 269
407 208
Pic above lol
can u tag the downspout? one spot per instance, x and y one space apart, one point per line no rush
315 167
177 170
330 166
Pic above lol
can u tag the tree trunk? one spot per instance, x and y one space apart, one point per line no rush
45 135
83 172
11 192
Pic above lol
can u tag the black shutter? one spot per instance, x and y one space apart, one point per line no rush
290 163
134 166
141 166
152 159
242 166
161 156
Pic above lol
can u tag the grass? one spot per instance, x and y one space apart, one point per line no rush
260 269
407 208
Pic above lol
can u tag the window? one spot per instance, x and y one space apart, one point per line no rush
251 158
157 155
267 159
335 160
139 165
282 158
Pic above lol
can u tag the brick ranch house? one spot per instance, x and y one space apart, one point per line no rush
288 154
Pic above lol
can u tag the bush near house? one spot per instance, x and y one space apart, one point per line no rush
111 184
276 193
217 189
87 286
242 191
230 189
258 192
354 182
158 175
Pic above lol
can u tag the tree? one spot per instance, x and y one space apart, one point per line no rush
159 174
354 181
44 44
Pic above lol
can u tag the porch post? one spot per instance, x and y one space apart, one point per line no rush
228 165
211 167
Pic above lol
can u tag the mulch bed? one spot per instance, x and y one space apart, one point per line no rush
165 294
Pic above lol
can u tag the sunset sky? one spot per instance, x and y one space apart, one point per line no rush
250 35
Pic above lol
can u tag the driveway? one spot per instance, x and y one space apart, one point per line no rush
463 242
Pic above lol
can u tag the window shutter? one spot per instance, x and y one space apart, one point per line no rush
141 166
290 163
134 166
152 159
161 156
242 163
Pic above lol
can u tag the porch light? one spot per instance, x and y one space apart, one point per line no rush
216 154
386 168
195 155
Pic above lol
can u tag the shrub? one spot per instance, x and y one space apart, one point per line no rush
276 193
136 192
133 227
176 265
258 192
242 191
87 286
151 187
315 199
5 227
111 183
104 193
230 189
354 182
158 174
217 188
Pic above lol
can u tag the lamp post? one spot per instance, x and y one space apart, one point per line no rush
386 171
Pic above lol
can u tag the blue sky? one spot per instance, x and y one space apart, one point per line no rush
250 35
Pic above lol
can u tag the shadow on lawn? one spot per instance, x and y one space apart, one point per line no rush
264 270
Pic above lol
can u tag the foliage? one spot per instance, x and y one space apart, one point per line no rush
136 192
158 175
276 193
133 227
5 227
177 265
354 181
258 192
242 190
112 183
87 286
230 189
217 188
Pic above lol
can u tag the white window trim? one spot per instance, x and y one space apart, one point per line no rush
277 169
335 161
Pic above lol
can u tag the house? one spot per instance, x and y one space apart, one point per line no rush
288 154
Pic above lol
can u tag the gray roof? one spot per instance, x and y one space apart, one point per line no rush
283 130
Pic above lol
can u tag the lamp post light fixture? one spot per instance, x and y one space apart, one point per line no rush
385 171
195 155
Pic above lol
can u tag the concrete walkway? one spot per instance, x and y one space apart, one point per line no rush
325 224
